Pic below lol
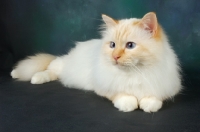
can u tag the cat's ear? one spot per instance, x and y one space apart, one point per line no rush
149 23
109 21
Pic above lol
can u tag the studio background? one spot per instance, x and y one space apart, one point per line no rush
52 26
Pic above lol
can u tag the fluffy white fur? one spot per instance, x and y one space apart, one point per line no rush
144 80
33 64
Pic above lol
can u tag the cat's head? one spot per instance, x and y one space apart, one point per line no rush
132 42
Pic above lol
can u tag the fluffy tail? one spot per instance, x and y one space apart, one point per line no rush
26 68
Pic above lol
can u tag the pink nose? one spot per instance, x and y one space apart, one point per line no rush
116 57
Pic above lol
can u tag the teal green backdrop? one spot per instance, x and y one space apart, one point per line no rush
52 26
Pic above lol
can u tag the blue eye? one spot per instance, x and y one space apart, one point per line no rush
112 44
130 45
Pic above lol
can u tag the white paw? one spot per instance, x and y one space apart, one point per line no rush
14 74
150 104
126 103
40 78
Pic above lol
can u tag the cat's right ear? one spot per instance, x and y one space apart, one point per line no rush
149 23
110 22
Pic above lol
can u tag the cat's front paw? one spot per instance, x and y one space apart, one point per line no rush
150 104
125 103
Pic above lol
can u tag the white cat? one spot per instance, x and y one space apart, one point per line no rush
132 65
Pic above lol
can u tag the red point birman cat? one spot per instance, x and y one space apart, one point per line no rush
133 65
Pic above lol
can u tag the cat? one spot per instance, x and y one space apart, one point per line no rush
133 65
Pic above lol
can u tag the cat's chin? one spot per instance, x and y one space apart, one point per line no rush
126 67
121 66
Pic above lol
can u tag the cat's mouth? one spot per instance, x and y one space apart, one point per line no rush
120 64
126 64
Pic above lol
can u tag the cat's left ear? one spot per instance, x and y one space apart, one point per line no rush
109 21
149 22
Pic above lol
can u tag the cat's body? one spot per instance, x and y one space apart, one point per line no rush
132 65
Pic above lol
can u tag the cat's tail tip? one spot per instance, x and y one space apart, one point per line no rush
14 74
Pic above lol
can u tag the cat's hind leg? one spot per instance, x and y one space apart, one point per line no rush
50 74
43 77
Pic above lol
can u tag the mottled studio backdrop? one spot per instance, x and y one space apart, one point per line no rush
52 26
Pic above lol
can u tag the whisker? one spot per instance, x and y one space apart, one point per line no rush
130 12
140 72
94 18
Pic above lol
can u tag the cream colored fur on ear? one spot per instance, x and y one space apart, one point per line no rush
109 21
146 74
149 22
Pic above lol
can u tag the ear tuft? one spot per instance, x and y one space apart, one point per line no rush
149 22
109 21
